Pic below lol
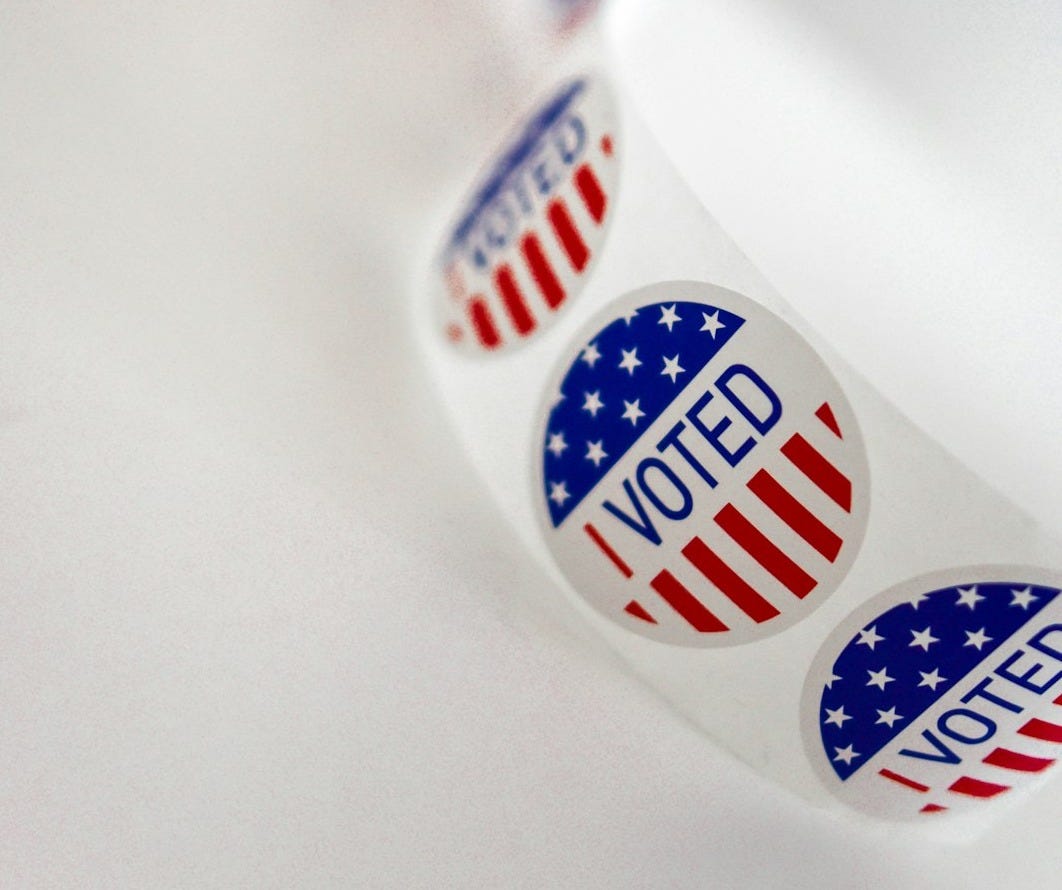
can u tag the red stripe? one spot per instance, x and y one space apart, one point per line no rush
590 191
1017 761
728 581
795 515
757 545
1041 729
541 270
455 282
482 323
604 547
685 603
976 788
1057 701
825 414
569 237
932 808
635 609
903 780
806 458
513 300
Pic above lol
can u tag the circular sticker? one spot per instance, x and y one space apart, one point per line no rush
703 481
940 694
525 241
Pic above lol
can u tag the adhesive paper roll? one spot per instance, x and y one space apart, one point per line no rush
763 538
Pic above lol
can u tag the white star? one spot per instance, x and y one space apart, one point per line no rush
712 324
976 638
869 637
888 717
630 360
1023 598
836 717
558 397
833 677
846 754
595 451
590 354
916 601
558 493
923 638
879 678
669 317
672 368
556 444
932 679
968 596
632 412
593 402
628 317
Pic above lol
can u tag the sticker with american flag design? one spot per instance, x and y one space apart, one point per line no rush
569 15
941 695
525 241
702 479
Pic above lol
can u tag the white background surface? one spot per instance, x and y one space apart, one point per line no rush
261 626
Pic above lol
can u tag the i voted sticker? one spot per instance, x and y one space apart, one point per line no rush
569 15
941 694
702 479
525 241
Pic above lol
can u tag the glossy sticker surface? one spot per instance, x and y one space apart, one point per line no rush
940 695
526 241
702 479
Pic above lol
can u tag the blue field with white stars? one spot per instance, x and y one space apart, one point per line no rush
620 383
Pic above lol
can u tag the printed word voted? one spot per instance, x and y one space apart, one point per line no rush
727 421
516 198
526 239
1013 687
946 699
702 472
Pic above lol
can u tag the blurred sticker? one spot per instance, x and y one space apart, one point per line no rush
526 240
940 694
702 481
571 14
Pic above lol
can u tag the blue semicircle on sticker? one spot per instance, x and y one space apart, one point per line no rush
913 655
514 158
620 383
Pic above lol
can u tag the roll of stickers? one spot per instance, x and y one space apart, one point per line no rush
761 536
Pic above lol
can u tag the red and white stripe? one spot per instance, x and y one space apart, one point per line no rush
764 547
537 273
1033 749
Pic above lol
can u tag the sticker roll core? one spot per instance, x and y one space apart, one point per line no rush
718 490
